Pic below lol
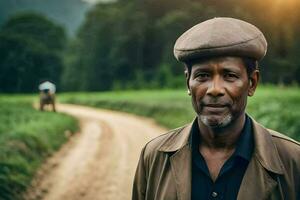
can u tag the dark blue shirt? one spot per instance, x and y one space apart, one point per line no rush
231 174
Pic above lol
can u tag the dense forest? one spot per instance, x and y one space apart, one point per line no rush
129 44
31 49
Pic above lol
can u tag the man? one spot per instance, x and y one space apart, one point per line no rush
47 95
223 153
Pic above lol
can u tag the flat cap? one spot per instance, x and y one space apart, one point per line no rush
221 36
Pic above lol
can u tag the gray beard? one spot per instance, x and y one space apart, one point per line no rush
223 123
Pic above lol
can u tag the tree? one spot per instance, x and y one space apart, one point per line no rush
30 49
130 43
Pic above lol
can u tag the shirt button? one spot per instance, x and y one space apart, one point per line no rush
214 194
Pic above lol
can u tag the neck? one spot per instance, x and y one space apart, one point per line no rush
224 138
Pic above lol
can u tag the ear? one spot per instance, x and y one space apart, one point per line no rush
187 78
253 82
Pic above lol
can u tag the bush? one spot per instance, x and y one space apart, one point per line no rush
27 137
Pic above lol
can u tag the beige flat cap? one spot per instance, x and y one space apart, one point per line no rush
221 36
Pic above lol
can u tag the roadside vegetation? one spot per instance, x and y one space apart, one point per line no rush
274 107
27 137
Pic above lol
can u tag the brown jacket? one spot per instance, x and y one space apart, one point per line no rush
164 169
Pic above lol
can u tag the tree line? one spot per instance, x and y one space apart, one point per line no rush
129 44
31 50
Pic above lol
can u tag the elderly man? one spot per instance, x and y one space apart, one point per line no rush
223 153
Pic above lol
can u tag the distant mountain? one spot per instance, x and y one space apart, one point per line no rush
69 13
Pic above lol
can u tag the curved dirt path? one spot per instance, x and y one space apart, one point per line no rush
97 163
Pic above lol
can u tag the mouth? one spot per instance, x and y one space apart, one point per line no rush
215 105
214 108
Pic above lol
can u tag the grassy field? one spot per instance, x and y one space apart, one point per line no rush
27 137
276 108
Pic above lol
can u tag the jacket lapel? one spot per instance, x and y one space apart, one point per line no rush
181 161
182 172
257 182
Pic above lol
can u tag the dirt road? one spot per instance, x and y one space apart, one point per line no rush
97 163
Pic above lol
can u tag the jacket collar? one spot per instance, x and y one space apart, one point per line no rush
178 140
264 149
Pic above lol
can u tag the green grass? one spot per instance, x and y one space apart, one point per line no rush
276 108
27 137
170 108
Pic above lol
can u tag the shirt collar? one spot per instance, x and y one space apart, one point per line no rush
245 143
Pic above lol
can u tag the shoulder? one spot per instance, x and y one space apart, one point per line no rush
284 141
155 144
162 146
288 150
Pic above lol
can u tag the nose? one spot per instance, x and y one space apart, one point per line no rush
216 87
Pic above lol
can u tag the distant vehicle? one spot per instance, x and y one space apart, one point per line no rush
47 95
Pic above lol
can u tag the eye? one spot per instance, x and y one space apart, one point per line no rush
231 76
202 76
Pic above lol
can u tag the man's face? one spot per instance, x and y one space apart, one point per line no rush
219 88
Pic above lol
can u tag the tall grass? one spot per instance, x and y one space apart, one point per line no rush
274 107
277 108
27 137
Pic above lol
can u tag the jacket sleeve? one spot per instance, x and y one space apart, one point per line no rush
140 180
